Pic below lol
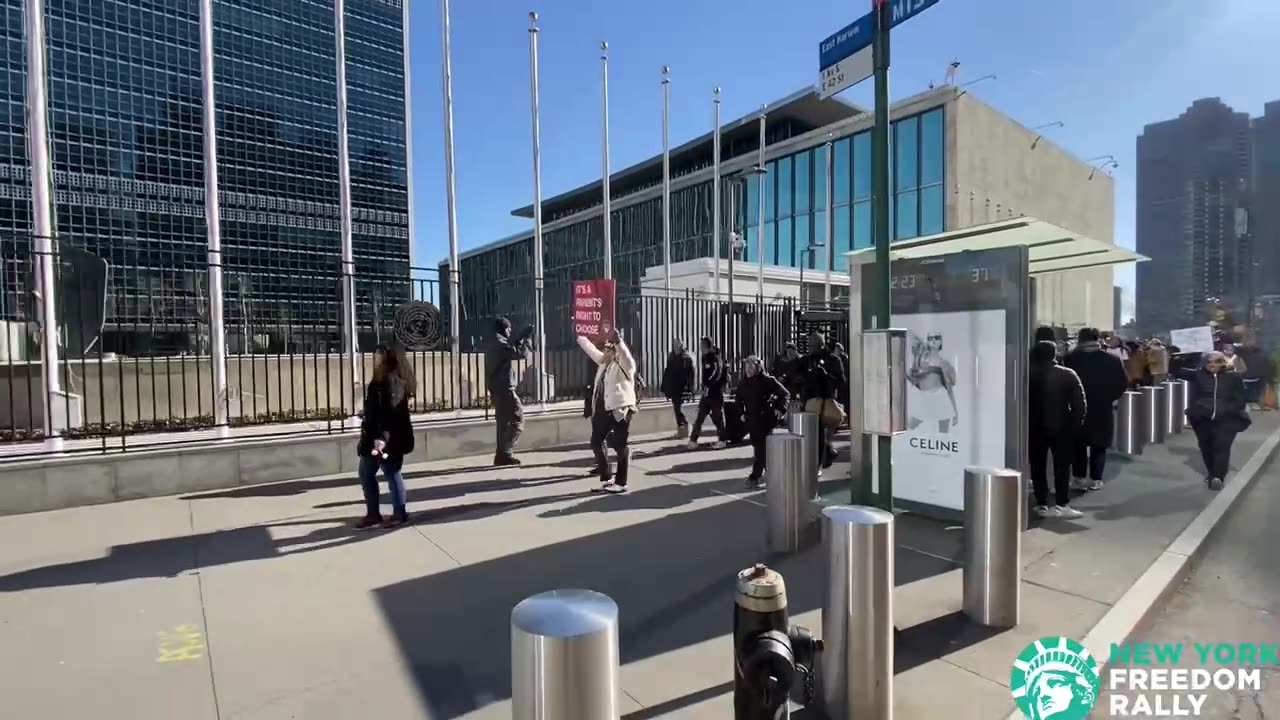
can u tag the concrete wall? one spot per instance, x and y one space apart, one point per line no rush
175 388
996 169
92 479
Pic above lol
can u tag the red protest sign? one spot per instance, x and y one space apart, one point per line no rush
593 308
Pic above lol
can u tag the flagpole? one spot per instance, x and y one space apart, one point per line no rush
666 181
831 222
540 327
715 189
350 346
606 216
451 204
42 216
213 225
760 234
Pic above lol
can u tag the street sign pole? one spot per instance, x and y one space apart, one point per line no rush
875 313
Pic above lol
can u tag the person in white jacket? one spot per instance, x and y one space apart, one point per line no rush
613 404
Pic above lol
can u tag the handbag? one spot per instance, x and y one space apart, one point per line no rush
829 411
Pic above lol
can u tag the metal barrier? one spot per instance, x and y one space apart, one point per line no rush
787 503
1153 412
564 657
1175 393
993 507
807 426
1129 434
857 616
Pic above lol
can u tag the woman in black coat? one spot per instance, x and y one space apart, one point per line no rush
764 403
1216 409
386 435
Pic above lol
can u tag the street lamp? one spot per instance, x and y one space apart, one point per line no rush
1104 161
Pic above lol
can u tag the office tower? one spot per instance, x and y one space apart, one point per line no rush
126 137
1193 191
1266 206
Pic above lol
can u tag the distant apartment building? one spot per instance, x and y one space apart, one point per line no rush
1203 213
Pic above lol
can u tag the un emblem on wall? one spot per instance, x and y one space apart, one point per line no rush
417 325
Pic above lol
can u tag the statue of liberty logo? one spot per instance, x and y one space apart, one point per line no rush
1055 679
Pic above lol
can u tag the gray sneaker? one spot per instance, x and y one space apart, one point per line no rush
1066 512
1096 484
1079 484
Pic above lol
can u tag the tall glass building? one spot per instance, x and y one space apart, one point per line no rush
496 279
125 125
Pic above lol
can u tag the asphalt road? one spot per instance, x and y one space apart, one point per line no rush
1232 595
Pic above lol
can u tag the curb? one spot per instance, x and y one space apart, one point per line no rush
1127 614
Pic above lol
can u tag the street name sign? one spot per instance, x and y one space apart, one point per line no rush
845 59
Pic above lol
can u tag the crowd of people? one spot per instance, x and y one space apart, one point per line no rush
1073 392
1073 389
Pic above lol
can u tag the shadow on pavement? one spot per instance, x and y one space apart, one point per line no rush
456 490
659 497
173 556
932 639
673 580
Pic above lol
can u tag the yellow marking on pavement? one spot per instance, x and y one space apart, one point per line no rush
183 642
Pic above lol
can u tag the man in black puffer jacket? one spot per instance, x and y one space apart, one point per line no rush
764 403
1105 381
714 378
677 383
1055 416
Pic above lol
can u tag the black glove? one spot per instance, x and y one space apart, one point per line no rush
525 333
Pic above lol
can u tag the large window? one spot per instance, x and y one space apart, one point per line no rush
795 205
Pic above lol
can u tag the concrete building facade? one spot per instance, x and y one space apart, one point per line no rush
957 163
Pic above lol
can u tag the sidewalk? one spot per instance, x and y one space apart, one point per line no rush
258 602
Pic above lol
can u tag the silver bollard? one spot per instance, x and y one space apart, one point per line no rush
564 657
1175 392
993 509
806 425
857 617
785 499
1129 433
1153 412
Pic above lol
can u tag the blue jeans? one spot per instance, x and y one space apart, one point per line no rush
395 482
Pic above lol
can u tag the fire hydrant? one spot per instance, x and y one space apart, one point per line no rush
770 655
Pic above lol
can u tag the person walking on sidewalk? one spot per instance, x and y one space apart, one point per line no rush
508 411
386 435
612 407
677 384
1056 415
714 378
1217 412
1105 381
823 375
764 402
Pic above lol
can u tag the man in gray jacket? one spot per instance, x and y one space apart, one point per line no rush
508 411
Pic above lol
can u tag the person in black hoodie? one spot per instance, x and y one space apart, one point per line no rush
714 378
386 435
1216 409
508 411
786 367
1105 381
677 383
1055 417
764 403
822 375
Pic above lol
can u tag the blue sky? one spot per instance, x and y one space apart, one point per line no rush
1105 68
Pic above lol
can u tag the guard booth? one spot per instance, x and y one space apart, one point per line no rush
966 299
832 323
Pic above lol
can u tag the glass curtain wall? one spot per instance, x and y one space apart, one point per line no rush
795 211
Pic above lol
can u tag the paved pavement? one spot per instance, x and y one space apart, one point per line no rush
1232 595
259 603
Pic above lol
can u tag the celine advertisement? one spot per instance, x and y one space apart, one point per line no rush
955 404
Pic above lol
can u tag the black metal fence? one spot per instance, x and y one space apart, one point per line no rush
134 345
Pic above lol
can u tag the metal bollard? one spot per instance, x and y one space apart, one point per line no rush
1175 392
564 657
785 499
857 616
1129 435
808 427
993 509
1153 412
